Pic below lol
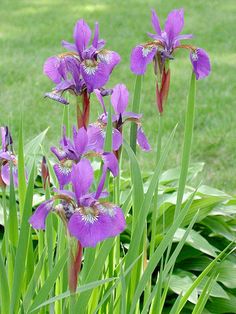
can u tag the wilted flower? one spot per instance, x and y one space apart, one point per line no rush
119 101
162 48
81 70
7 159
87 218
85 143
45 173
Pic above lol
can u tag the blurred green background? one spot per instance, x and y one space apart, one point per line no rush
31 31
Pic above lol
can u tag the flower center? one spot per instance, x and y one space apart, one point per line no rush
90 67
89 214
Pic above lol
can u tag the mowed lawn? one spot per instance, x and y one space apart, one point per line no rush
31 31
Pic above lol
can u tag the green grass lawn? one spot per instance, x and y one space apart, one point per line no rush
31 31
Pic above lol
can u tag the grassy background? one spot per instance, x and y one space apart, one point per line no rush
32 30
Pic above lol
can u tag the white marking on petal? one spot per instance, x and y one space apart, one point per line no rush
146 51
108 209
105 56
64 170
194 55
89 214
90 67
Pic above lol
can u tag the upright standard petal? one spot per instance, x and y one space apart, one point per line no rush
95 74
120 98
92 225
69 46
82 35
156 23
37 220
82 178
141 56
142 140
201 63
174 23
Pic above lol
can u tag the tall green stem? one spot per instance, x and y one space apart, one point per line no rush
135 108
188 135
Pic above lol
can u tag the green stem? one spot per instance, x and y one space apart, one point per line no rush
188 135
154 210
135 108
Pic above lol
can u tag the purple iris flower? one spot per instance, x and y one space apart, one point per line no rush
85 143
164 44
119 101
87 218
7 159
85 67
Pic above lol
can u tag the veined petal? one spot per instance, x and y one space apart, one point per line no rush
141 56
80 140
117 139
100 99
110 58
96 35
57 97
156 23
95 74
69 46
51 69
37 220
120 98
93 225
5 173
132 115
142 140
201 63
63 174
111 163
174 23
82 178
95 138
82 35
60 154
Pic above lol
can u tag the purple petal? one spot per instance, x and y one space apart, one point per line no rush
60 154
132 115
120 98
141 56
95 138
5 173
80 141
156 23
82 178
63 174
155 36
67 193
51 69
142 140
69 46
95 74
96 35
82 35
6 155
100 99
90 226
174 23
201 63
110 58
111 163
37 220
4 131
57 97
117 139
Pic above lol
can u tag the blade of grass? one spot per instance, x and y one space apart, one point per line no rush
21 252
158 253
188 135
4 288
49 283
135 108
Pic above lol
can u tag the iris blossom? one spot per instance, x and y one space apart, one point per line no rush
87 217
7 159
119 101
162 48
85 143
85 67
